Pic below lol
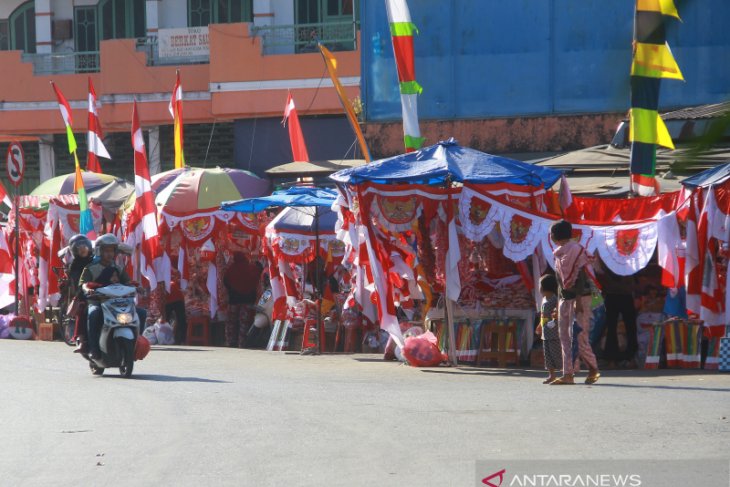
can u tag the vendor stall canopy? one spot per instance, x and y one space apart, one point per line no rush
710 177
295 196
448 160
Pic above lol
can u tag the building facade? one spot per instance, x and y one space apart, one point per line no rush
532 75
237 60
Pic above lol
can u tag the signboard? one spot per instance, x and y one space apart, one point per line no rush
183 42
16 163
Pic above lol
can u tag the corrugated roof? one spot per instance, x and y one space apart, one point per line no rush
699 112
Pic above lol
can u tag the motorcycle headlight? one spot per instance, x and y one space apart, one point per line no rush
124 318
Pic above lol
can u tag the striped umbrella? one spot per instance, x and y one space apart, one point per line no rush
194 190
65 184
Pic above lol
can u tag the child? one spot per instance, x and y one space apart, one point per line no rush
571 262
548 328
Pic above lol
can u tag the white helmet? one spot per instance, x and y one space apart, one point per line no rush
108 239
261 320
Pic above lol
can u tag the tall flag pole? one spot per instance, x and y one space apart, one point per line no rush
652 61
86 223
331 63
176 110
401 31
96 148
296 138
145 214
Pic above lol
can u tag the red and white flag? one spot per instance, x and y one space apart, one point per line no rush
298 147
145 215
96 148
4 196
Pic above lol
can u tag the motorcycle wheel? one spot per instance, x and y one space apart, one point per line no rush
125 370
96 370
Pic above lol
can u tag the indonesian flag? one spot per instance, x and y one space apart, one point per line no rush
67 118
7 272
144 206
96 147
176 110
4 197
48 260
298 147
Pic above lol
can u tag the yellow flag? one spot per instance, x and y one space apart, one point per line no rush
648 127
331 63
665 7
655 61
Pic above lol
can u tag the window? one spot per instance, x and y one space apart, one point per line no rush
121 19
320 11
204 12
22 28
85 29
4 35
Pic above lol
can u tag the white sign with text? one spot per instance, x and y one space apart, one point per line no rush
184 42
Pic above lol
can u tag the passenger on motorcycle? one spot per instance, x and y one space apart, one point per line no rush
103 270
82 255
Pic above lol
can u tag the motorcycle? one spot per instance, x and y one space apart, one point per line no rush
120 328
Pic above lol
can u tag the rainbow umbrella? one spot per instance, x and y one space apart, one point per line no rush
65 184
194 190
110 190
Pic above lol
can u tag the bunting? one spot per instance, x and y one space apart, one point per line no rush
401 31
176 110
652 61
96 148
144 206
86 224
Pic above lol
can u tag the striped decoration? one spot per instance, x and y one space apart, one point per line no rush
652 61
682 342
401 31
713 353
656 336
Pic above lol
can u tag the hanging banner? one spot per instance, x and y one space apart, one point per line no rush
183 42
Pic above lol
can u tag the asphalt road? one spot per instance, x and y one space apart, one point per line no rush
214 416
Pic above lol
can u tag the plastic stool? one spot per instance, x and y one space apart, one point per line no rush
198 331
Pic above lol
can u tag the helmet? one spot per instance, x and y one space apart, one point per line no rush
106 240
141 348
261 320
78 241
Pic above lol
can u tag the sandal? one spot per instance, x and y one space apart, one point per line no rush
564 380
593 377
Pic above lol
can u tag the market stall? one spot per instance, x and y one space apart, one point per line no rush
402 219
301 247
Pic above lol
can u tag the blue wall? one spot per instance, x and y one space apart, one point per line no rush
491 58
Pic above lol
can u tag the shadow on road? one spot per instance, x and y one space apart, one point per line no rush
173 378
179 349
670 388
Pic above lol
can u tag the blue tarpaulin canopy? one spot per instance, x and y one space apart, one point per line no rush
295 196
716 175
433 165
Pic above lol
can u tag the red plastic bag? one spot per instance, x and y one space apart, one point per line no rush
423 351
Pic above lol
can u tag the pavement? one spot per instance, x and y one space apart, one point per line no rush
216 416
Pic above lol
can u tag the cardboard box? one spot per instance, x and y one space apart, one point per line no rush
45 331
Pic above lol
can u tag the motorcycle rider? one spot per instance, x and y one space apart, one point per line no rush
106 248
82 253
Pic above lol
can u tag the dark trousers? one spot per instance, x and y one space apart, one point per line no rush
622 304
177 308
240 317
